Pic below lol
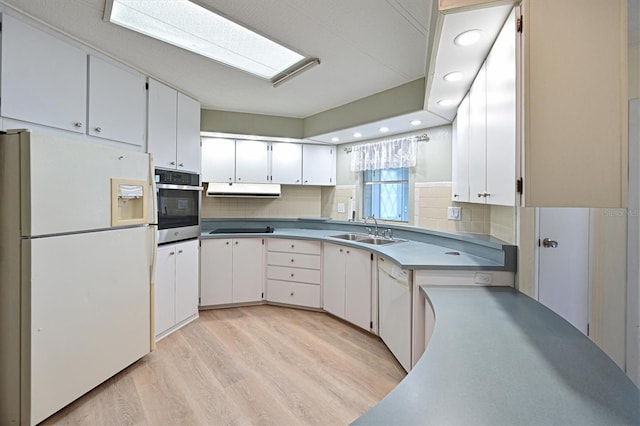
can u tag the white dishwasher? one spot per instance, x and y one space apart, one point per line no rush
394 310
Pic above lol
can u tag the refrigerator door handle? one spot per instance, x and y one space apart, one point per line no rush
152 287
154 197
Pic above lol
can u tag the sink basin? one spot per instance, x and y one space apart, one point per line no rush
378 241
352 237
367 239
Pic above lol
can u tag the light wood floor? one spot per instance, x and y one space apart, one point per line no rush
255 365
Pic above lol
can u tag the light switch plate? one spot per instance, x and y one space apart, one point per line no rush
340 207
454 213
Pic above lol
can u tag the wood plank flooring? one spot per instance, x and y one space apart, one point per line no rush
258 365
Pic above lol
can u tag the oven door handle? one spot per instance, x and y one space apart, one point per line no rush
181 187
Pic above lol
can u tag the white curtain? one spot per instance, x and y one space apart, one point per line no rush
388 154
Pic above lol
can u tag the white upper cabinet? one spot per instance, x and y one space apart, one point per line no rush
478 137
501 118
286 163
44 79
173 128
252 162
460 154
162 124
318 165
188 134
218 160
117 102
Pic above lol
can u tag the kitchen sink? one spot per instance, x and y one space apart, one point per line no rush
379 241
367 239
352 237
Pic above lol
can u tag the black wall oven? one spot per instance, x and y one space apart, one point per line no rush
178 201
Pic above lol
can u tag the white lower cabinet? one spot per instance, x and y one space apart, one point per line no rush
231 271
347 284
176 285
293 272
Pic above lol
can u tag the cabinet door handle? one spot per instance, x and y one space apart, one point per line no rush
98 129
297 180
455 195
291 293
179 251
239 179
348 252
291 275
173 163
181 164
236 243
230 178
306 181
479 194
171 253
340 250
292 260
77 124
292 246
227 243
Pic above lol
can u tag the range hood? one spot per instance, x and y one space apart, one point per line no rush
243 190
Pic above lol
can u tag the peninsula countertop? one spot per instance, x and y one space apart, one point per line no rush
498 357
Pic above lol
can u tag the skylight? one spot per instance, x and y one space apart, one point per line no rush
192 27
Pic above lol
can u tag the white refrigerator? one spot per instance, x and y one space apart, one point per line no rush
76 262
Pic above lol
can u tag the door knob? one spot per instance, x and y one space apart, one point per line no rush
548 243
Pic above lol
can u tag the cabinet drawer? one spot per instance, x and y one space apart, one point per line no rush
309 276
294 246
293 293
294 260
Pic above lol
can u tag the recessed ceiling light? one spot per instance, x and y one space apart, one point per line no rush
415 122
453 76
467 38
199 30
383 129
445 102
357 135
334 139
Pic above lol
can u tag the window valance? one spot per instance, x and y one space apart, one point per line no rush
387 154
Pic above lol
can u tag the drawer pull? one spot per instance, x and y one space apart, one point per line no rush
291 260
291 293
292 245
227 243
291 275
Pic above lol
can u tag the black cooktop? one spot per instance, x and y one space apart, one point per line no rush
263 230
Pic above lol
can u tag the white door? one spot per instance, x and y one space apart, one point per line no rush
460 184
333 290
164 296
187 261
563 269
188 134
117 103
248 272
161 126
216 275
218 160
318 165
358 288
44 79
478 138
501 117
286 163
252 162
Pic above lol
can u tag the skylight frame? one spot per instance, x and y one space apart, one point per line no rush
267 66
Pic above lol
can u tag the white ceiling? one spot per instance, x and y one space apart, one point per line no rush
365 47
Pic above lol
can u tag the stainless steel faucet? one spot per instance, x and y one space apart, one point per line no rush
374 221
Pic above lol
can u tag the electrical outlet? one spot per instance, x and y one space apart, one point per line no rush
454 213
340 207
485 278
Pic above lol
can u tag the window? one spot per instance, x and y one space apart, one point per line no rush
386 194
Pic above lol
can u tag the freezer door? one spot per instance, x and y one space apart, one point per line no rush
66 184
89 311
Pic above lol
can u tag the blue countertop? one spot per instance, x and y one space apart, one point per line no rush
497 356
422 250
